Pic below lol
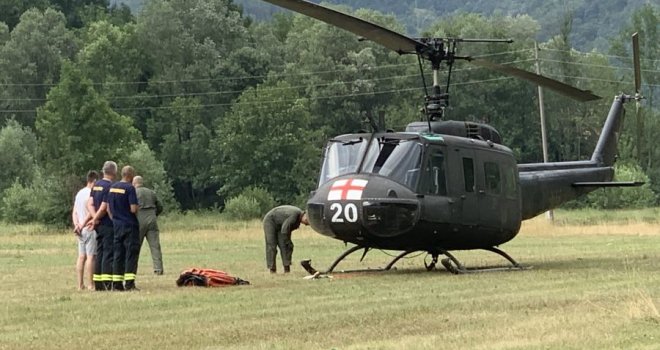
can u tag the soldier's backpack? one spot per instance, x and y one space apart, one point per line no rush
208 278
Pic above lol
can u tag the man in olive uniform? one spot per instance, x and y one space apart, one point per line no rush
278 224
149 209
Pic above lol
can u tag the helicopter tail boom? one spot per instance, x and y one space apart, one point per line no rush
545 186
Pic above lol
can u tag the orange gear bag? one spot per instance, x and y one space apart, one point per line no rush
208 278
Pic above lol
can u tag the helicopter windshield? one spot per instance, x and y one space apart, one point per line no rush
399 160
342 157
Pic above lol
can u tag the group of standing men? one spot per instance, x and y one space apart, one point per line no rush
111 220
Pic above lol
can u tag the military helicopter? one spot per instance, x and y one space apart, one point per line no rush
443 185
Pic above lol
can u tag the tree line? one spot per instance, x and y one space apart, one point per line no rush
205 103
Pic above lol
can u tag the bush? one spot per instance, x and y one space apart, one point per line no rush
252 203
18 204
624 197
264 199
48 200
243 207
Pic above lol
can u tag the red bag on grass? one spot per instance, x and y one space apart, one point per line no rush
207 278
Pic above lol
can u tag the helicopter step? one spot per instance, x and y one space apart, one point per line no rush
454 266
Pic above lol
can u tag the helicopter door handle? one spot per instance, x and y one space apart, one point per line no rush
482 192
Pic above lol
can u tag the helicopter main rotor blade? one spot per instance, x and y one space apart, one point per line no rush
638 74
555 85
383 36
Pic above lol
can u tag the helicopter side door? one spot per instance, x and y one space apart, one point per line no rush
497 190
437 206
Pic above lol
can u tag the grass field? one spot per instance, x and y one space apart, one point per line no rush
594 285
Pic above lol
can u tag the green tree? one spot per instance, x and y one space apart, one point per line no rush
11 10
641 128
18 146
346 79
113 59
77 129
266 141
30 61
199 57
482 95
186 152
144 160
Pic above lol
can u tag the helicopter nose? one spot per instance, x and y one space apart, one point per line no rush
389 218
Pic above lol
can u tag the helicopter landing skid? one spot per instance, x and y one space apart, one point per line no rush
454 266
307 264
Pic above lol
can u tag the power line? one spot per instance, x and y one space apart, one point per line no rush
599 54
597 65
225 92
246 77
597 79
274 101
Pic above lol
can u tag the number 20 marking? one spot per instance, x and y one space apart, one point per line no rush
350 212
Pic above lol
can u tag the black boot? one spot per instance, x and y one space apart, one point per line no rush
287 269
130 286
117 286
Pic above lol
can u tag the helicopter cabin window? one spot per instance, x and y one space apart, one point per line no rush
342 157
435 173
398 160
468 174
492 176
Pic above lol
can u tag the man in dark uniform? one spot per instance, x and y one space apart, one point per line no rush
103 225
122 206
147 214
278 224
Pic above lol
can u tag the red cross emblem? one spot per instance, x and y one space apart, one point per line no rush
347 189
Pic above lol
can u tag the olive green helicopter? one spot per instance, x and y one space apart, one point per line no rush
442 185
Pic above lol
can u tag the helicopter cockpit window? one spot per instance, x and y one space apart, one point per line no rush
436 182
342 157
492 174
399 160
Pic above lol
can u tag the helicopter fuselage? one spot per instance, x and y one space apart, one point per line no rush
417 191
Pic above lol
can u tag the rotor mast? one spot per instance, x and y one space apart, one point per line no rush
437 51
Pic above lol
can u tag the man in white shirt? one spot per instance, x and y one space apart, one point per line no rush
86 237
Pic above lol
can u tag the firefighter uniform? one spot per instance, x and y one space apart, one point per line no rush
126 238
278 224
104 239
150 208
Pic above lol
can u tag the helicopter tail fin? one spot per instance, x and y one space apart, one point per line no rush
605 153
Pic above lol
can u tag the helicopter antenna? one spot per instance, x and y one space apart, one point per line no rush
453 51
426 91
421 72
